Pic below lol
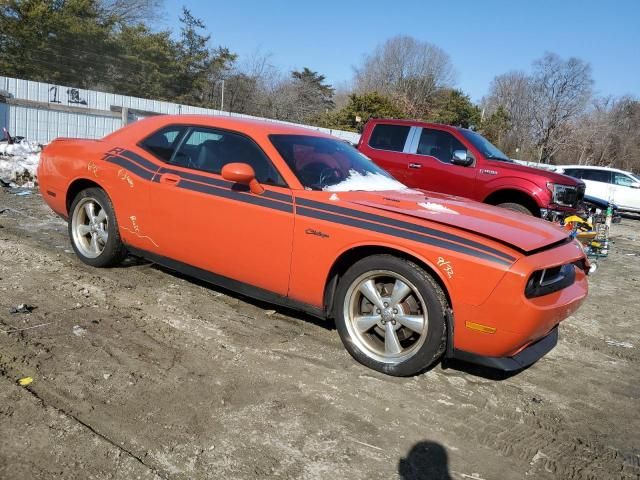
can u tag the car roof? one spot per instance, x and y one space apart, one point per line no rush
595 167
250 126
413 123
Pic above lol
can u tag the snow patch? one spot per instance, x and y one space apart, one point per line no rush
437 208
19 161
369 182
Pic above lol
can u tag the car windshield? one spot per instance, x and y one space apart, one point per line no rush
487 148
332 165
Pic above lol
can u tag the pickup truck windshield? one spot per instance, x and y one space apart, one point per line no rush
487 148
326 164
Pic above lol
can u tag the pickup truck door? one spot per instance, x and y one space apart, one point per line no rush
429 164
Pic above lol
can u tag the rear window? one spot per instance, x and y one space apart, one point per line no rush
163 142
389 137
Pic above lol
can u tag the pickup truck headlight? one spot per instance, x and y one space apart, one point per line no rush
565 195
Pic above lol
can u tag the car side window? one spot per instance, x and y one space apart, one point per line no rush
163 142
596 175
438 144
210 149
574 172
622 179
389 137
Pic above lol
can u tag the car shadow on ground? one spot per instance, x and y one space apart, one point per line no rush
132 261
426 461
328 324
479 370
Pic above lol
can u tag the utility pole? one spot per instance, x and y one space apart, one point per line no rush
222 97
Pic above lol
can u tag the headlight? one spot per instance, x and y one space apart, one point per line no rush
566 195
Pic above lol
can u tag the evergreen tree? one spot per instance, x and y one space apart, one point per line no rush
453 107
359 110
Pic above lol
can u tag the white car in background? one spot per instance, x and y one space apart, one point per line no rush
611 184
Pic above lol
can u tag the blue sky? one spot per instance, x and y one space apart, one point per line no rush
483 38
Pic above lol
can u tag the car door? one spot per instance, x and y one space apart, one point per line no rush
430 164
220 226
598 183
387 146
625 191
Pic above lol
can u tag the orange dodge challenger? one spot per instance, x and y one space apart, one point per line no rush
302 219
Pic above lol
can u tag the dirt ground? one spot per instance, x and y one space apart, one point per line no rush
141 373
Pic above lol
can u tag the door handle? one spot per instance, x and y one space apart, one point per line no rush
169 179
415 165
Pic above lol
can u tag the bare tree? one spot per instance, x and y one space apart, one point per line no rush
407 69
512 92
132 11
251 86
561 90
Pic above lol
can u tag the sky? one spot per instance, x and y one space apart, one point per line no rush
483 38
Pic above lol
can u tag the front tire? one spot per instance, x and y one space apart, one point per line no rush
516 207
390 314
93 229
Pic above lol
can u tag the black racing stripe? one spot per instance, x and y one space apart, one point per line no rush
131 167
278 196
233 195
406 225
194 176
222 183
134 157
398 233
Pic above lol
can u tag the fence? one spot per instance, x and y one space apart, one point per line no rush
43 111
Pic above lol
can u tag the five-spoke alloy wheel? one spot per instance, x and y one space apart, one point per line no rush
93 229
90 227
390 314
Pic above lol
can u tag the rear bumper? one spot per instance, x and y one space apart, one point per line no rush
523 359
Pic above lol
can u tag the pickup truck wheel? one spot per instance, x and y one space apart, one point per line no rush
93 229
516 207
390 314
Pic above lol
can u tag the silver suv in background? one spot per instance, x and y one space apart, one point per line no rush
611 184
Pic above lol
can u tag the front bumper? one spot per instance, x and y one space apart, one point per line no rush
507 322
523 359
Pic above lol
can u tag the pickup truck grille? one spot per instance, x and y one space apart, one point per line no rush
569 196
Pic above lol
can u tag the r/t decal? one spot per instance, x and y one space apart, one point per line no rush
446 267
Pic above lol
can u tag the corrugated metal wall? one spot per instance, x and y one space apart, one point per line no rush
43 125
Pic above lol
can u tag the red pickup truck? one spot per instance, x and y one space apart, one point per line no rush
457 161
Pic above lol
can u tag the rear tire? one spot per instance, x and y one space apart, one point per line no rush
93 229
390 314
515 207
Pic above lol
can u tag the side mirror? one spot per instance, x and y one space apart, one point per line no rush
462 158
635 185
242 173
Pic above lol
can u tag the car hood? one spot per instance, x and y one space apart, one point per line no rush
516 230
551 176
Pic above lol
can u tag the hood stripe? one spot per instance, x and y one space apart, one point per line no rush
416 237
406 225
